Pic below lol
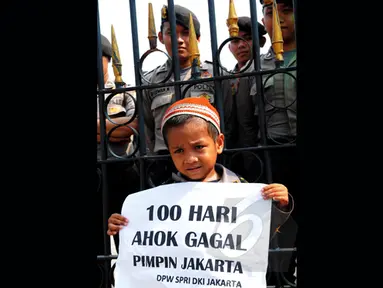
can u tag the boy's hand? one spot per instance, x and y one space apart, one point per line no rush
115 223
277 192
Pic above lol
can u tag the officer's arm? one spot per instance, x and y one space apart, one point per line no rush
122 133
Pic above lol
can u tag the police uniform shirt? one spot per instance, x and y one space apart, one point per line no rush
121 105
279 92
157 100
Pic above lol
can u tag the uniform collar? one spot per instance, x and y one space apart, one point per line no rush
270 55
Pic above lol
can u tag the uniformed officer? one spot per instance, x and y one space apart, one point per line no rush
156 101
240 124
122 177
279 90
120 108
280 106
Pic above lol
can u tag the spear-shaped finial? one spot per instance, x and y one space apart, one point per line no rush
193 49
277 38
116 62
232 21
152 34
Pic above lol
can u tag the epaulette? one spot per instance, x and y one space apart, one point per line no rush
145 73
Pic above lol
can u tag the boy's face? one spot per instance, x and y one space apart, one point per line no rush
193 150
286 17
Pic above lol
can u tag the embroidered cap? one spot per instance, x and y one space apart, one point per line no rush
197 106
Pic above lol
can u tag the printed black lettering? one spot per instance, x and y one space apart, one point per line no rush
215 240
155 261
217 214
159 238
228 266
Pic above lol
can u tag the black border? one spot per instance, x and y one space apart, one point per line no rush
44 43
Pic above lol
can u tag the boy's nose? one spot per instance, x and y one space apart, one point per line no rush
190 159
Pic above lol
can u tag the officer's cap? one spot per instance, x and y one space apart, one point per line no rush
182 17
286 2
106 47
244 24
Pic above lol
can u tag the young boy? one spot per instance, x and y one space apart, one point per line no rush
193 136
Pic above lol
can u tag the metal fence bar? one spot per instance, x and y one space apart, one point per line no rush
136 55
217 83
100 80
175 61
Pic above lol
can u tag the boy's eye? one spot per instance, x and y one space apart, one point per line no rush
178 151
198 147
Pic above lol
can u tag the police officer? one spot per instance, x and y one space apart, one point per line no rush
122 178
120 108
279 92
156 101
241 128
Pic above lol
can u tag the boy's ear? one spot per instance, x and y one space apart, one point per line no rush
220 142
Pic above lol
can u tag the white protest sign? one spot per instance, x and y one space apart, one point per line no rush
195 235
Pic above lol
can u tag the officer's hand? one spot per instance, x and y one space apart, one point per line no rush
115 223
123 140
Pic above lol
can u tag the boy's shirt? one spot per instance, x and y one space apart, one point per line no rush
278 216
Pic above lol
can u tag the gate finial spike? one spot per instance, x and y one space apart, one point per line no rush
152 34
116 61
277 38
193 49
232 21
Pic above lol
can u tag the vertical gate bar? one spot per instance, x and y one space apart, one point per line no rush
258 80
104 167
217 83
100 80
141 123
175 59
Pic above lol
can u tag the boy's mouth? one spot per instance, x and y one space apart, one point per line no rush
193 169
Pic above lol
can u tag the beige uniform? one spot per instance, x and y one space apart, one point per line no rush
121 105
279 92
157 100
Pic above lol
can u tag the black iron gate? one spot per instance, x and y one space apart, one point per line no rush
264 148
